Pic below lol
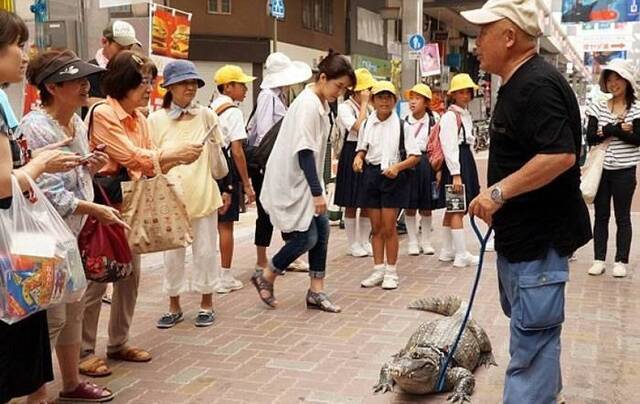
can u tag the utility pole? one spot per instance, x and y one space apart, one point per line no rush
412 17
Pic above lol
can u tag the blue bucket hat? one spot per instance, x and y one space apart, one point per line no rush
181 70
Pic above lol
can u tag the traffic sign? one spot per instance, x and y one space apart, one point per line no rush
276 9
416 42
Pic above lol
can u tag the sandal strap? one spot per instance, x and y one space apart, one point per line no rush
321 299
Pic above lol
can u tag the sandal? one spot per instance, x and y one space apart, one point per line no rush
262 285
94 367
87 392
130 355
320 301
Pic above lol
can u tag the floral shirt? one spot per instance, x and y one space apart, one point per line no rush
64 190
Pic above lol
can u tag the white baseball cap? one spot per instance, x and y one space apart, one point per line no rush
121 32
523 13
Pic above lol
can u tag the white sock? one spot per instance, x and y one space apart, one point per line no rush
412 229
425 224
447 240
391 269
379 268
350 229
459 245
364 230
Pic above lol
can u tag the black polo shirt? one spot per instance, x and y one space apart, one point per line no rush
537 113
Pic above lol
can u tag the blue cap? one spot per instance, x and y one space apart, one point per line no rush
180 70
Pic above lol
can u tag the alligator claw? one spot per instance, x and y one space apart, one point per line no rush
383 388
457 397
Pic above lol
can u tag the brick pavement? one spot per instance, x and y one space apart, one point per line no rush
291 355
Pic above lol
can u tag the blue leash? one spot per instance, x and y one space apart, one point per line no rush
452 351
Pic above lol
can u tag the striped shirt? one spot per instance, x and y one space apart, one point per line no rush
620 154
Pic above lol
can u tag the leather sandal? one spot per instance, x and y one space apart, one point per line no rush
130 355
94 367
320 301
262 285
86 392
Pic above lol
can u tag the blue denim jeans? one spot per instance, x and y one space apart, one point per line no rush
532 295
315 241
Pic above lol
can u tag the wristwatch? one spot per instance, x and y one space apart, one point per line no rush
496 194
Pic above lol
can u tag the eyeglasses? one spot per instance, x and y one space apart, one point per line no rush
147 81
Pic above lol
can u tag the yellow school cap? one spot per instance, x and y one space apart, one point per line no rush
231 74
364 80
461 81
382 86
421 89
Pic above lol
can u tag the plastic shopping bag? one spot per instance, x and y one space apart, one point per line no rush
39 258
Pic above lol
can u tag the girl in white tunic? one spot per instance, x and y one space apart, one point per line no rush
293 192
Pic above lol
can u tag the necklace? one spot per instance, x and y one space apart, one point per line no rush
67 130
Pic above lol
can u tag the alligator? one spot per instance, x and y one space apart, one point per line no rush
415 369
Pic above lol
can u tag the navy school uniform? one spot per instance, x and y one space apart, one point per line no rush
465 163
386 143
420 190
348 182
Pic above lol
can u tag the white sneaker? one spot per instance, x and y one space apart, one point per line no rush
446 255
413 249
619 270
356 250
298 266
227 281
390 280
220 288
375 279
462 261
368 248
427 248
597 268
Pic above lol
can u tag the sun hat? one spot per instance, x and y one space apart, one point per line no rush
122 33
180 70
422 89
625 69
231 74
382 86
66 67
280 71
364 79
461 81
523 13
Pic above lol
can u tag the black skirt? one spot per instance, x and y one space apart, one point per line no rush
25 356
348 182
468 174
421 192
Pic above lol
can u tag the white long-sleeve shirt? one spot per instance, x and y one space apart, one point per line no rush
381 140
269 110
451 136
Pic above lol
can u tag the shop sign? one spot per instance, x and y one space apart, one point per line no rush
377 67
604 12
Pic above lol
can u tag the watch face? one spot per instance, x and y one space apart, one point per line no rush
496 195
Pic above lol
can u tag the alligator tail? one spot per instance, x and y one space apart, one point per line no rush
446 305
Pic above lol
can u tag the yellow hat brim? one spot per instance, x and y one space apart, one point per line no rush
463 87
407 94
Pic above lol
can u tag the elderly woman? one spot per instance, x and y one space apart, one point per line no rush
181 121
25 353
118 124
71 193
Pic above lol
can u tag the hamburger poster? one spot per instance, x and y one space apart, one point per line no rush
170 30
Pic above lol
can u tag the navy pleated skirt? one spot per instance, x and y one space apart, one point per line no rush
348 182
468 174
420 192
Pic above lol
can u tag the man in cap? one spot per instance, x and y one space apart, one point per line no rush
116 37
534 200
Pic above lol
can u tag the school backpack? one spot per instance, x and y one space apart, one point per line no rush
434 146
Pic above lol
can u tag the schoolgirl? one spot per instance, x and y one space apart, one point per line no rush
456 136
351 114
421 194
386 153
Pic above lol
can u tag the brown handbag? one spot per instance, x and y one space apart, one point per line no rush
156 213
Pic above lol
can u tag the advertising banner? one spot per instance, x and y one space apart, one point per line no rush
430 60
595 60
170 30
584 11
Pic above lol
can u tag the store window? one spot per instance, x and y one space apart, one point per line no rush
317 15
219 6
370 27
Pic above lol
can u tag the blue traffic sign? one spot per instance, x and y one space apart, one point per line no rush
277 9
416 42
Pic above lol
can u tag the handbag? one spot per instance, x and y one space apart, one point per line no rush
217 157
592 171
154 210
104 250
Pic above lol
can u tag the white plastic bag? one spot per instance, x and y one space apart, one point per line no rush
40 261
592 172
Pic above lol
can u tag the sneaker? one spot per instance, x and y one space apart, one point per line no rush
427 248
462 261
446 255
169 320
205 318
356 250
413 249
375 279
229 282
368 248
390 281
220 288
619 270
298 266
597 268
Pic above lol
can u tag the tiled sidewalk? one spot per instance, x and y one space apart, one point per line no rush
292 355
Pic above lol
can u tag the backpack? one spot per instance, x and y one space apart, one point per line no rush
235 177
434 146
257 156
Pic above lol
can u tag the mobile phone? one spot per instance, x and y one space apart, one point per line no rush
101 147
85 159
